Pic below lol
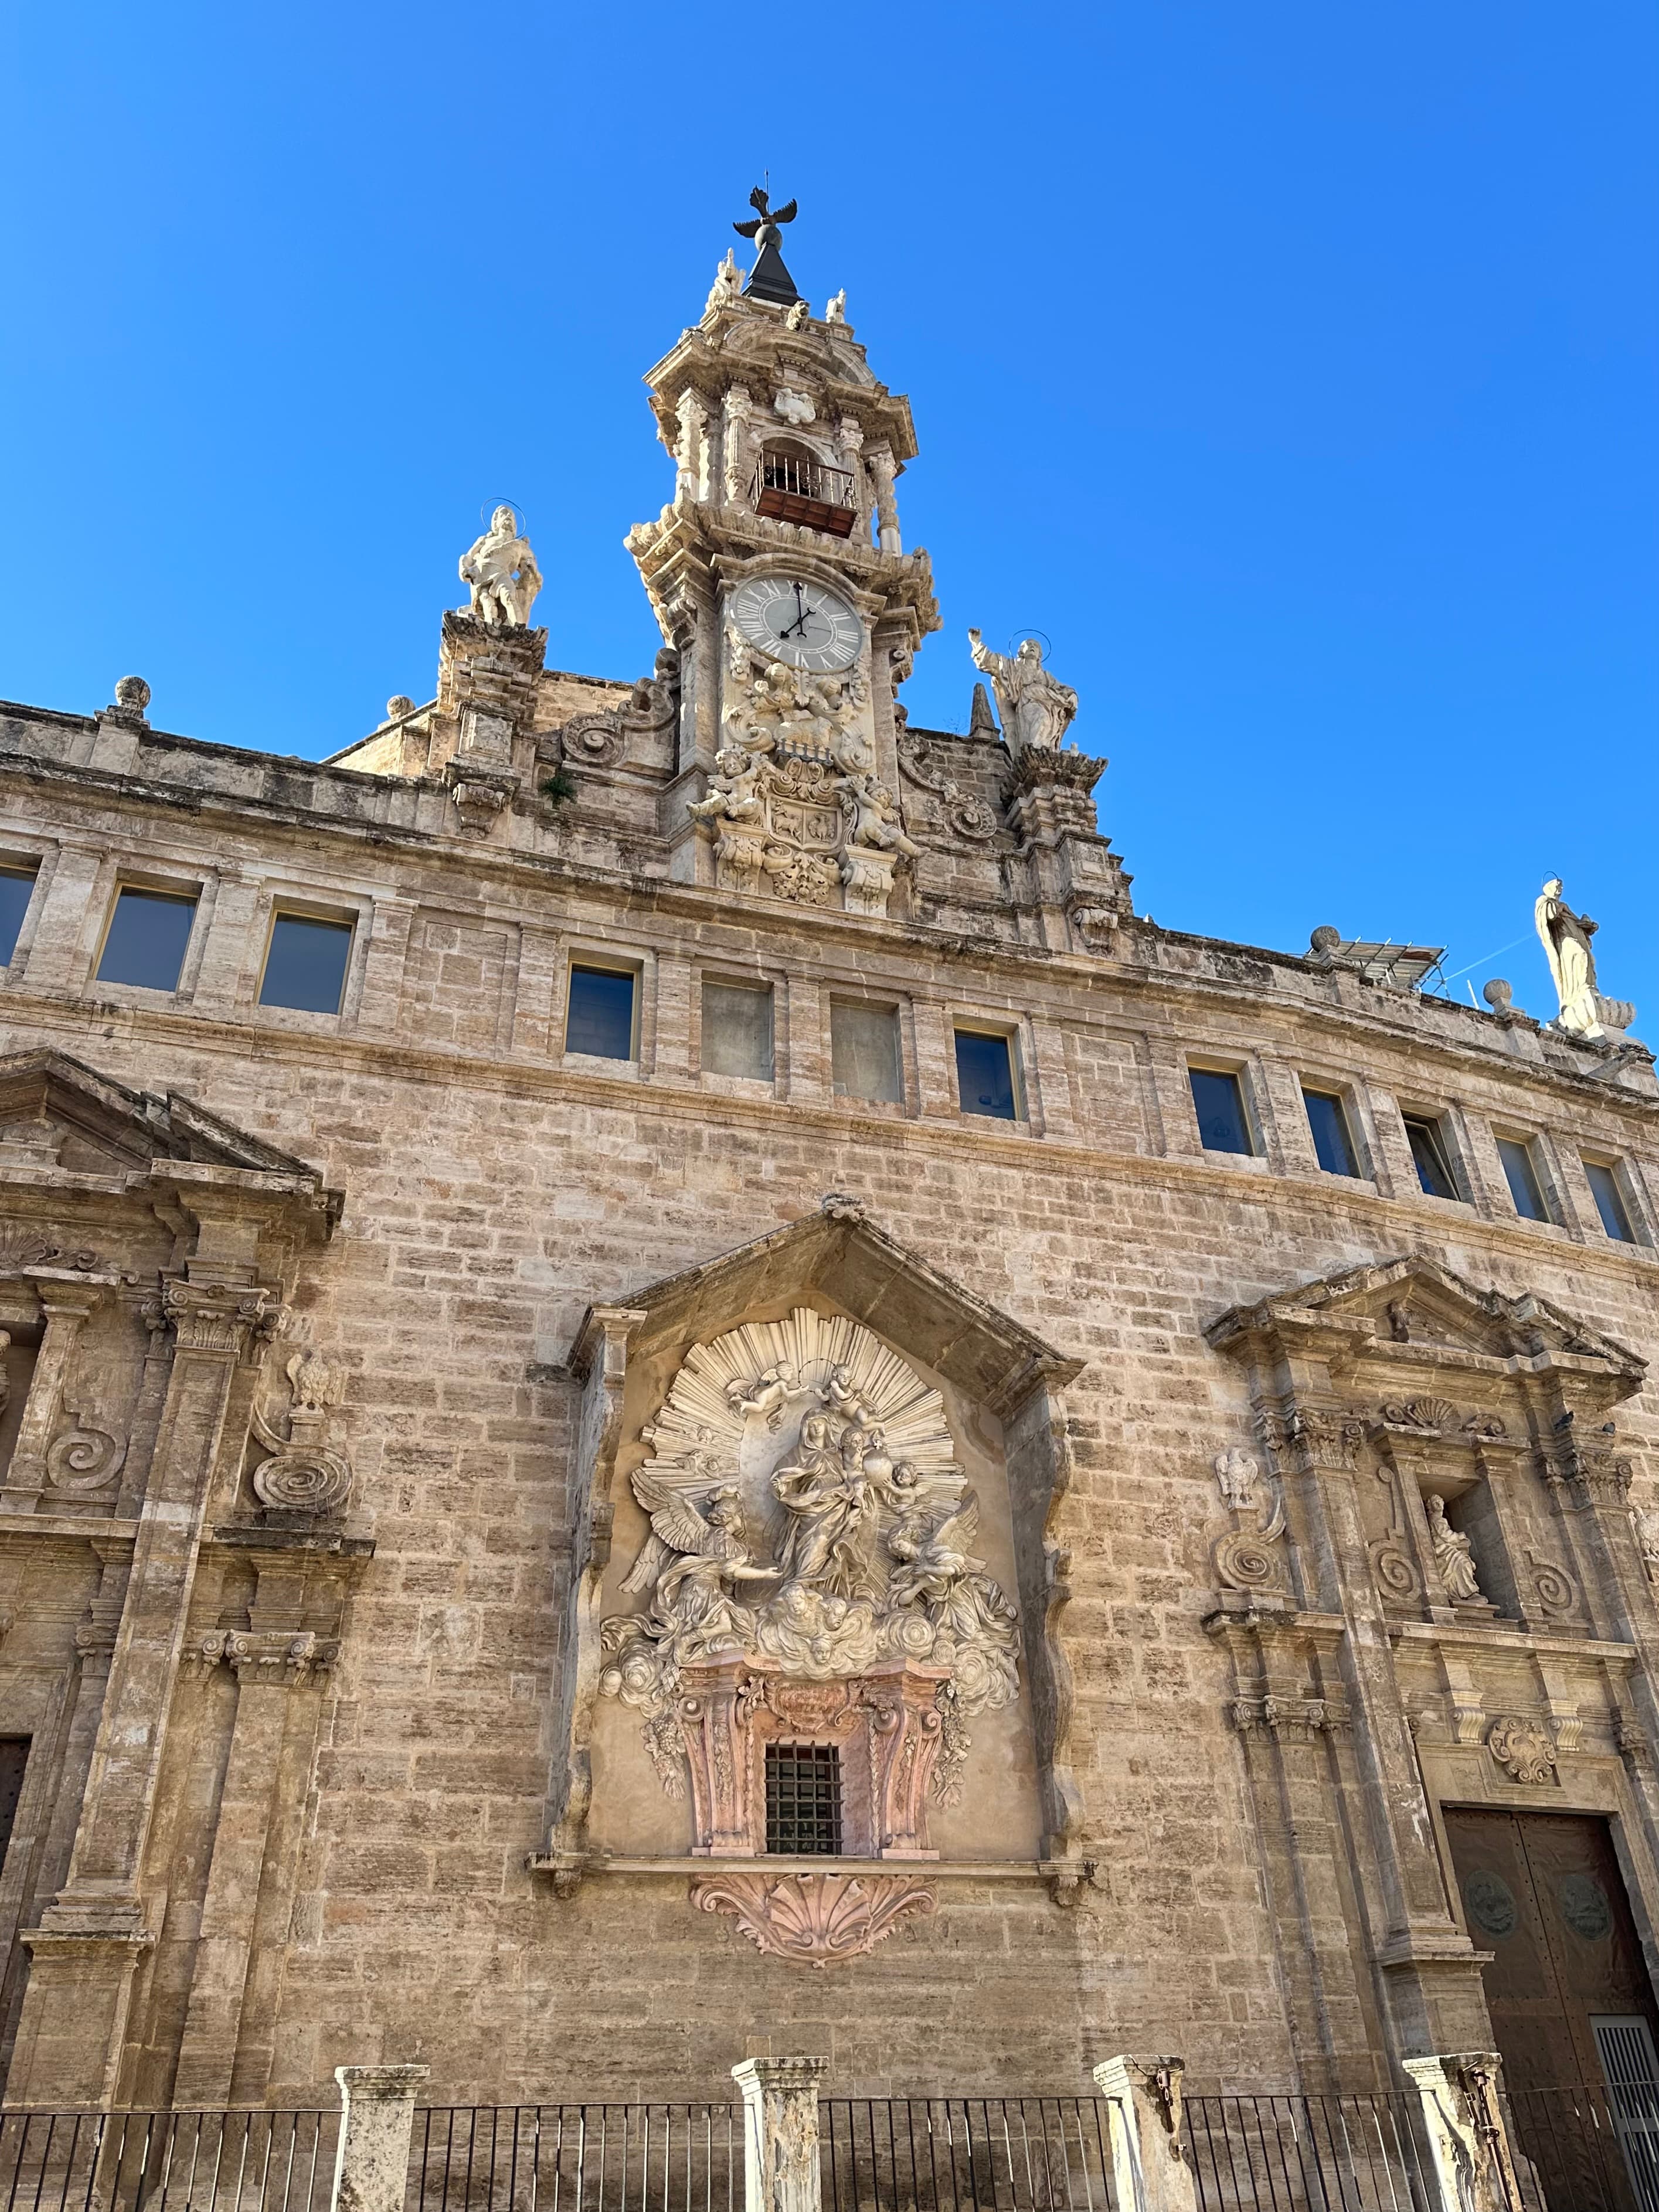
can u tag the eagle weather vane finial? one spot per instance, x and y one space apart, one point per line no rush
769 279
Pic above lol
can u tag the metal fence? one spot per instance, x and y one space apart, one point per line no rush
247 2161
576 2158
1303 2154
1586 2150
965 2154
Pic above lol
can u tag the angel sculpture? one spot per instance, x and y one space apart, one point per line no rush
691 1592
765 1395
932 1560
732 792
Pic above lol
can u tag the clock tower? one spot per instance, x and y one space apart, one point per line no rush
779 576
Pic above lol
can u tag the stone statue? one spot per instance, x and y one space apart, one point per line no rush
830 1495
837 310
838 1457
1566 941
1036 710
731 794
501 571
1453 1554
872 817
727 286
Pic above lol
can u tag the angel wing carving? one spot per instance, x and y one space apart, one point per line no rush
958 1530
676 1526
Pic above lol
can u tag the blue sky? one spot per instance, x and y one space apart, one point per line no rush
1291 367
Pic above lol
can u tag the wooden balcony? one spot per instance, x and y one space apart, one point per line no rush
792 488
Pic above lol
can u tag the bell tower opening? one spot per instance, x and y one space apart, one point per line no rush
792 485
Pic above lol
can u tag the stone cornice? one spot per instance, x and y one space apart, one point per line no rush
1430 1223
1135 980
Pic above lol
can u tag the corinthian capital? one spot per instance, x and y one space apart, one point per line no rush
215 1317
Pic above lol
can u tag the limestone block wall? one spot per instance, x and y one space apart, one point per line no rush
496 1188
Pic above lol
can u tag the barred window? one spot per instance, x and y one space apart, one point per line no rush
803 1798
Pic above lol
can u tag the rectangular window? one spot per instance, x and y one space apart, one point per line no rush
1521 1172
1427 1140
600 1016
736 1030
306 965
803 1798
1223 1124
17 889
1328 1118
148 933
1609 1201
863 1051
985 1075
14 1758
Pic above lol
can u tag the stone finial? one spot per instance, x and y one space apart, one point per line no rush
398 705
1324 940
1499 995
131 697
981 722
500 571
841 1206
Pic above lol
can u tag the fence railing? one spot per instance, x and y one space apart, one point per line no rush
246 2162
1589 2149
965 2154
576 2158
1310 2154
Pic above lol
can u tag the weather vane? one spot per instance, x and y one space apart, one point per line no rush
769 279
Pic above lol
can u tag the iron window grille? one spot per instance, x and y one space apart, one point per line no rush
803 1799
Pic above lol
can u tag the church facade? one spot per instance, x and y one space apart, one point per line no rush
671 1391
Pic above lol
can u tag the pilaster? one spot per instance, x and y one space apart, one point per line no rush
781 2133
1150 2170
84 1952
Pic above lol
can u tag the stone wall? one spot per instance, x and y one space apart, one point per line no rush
494 1190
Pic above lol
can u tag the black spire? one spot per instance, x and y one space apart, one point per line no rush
769 279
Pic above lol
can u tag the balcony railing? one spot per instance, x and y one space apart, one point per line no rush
793 488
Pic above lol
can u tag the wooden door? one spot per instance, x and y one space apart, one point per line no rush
1542 1892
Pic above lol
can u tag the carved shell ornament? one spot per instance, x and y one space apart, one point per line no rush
807 1510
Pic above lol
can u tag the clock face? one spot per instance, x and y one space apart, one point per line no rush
801 623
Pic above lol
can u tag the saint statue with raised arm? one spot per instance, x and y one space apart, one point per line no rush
1036 710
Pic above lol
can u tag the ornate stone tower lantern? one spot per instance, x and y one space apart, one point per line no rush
778 574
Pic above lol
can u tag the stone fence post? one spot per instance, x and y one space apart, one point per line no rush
1473 2162
377 2118
780 2133
1150 2172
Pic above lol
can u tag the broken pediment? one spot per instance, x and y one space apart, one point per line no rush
60 1118
1413 1310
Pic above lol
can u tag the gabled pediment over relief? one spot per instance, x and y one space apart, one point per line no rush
57 1115
827 1472
1397 1311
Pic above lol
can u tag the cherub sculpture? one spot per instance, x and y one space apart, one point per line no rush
733 796
870 810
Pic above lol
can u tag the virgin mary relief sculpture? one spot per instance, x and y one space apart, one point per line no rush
808 1516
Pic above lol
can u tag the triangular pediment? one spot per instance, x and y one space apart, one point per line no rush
57 1113
1414 1301
869 1275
